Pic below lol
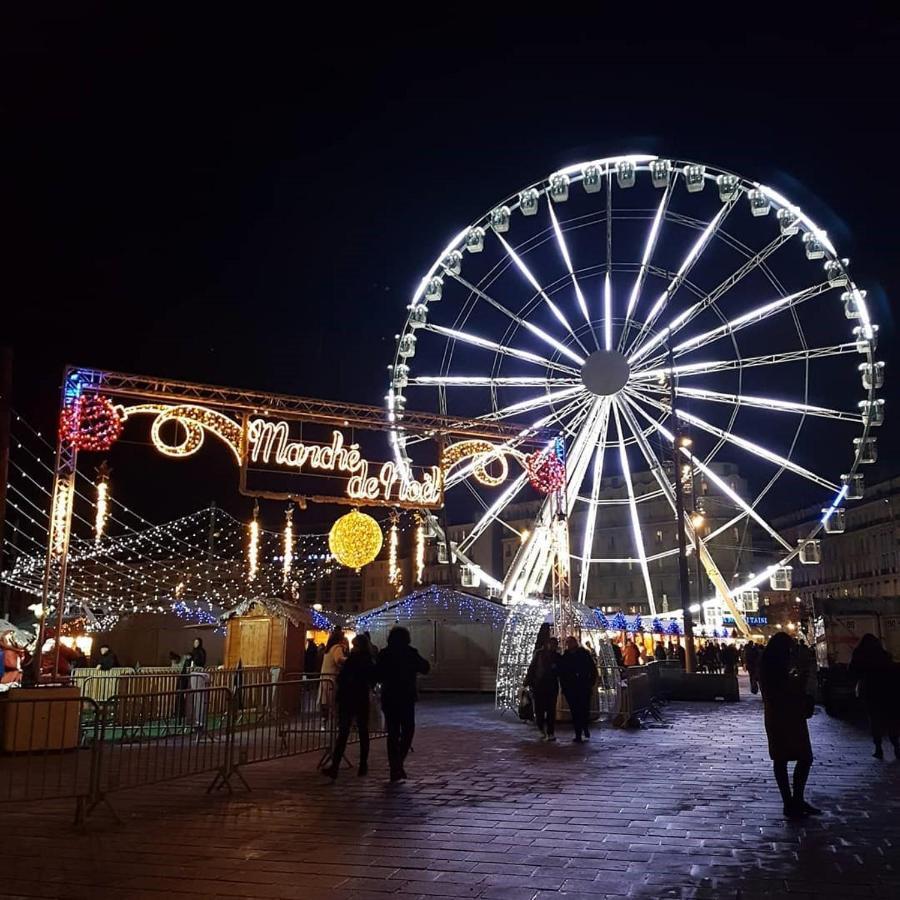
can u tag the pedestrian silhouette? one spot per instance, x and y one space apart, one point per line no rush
577 677
878 683
543 679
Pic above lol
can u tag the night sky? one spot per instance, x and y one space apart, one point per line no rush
250 201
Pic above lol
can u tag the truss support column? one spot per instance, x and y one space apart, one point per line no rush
690 656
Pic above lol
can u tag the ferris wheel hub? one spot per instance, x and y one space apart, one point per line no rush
605 372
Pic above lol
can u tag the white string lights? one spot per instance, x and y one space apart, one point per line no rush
288 550
420 550
102 503
395 577
253 546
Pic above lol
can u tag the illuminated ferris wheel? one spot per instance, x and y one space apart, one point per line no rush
622 303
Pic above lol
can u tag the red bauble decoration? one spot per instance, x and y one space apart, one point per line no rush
91 423
546 471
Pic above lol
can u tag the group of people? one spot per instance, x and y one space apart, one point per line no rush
349 672
575 671
714 658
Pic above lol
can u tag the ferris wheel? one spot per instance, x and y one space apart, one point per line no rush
623 303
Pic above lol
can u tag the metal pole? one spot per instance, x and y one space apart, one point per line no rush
684 581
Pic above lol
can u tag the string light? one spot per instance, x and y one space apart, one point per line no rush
420 549
61 518
102 504
394 576
355 539
253 546
194 420
288 555
483 453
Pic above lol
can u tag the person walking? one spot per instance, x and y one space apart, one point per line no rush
786 710
396 669
543 679
878 683
577 677
751 664
354 682
730 659
680 655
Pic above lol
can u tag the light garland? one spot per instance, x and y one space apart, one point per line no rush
288 554
420 549
483 453
394 576
102 504
195 420
355 540
60 518
253 546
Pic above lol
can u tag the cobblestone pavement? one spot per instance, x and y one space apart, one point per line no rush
685 810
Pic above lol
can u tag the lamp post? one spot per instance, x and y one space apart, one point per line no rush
689 651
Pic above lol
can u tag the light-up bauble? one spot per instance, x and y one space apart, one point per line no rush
91 423
355 540
546 471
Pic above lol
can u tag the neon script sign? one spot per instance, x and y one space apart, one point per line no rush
270 444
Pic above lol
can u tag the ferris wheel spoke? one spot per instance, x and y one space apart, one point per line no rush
720 483
725 365
523 268
564 250
683 271
486 344
641 276
494 510
490 381
743 443
681 320
524 323
534 403
591 522
760 314
632 506
789 406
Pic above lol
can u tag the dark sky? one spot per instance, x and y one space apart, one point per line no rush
250 199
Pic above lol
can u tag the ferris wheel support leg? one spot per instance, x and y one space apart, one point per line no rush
721 586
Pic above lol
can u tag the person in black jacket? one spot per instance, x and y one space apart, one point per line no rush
198 654
543 680
878 679
577 677
396 670
311 659
354 681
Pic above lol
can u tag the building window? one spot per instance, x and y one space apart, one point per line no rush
659 536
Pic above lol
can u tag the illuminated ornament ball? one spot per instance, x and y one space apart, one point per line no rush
355 540
91 423
546 471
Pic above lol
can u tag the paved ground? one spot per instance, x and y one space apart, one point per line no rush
688 810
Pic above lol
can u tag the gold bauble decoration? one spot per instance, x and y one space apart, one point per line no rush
355 540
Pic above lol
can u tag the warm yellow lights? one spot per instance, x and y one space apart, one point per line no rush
193 422
102 508
394 576
420 549
253 546
483 454
61 517
524 534
355 540
288 543
697 519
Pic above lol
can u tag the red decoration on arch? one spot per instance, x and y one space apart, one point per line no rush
91 423
546 471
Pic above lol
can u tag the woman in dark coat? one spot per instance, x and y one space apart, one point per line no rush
786 708
198 654
879 688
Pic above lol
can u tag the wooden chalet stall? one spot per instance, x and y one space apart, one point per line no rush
266 632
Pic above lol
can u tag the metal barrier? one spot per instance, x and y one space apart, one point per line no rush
47 746
55 745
